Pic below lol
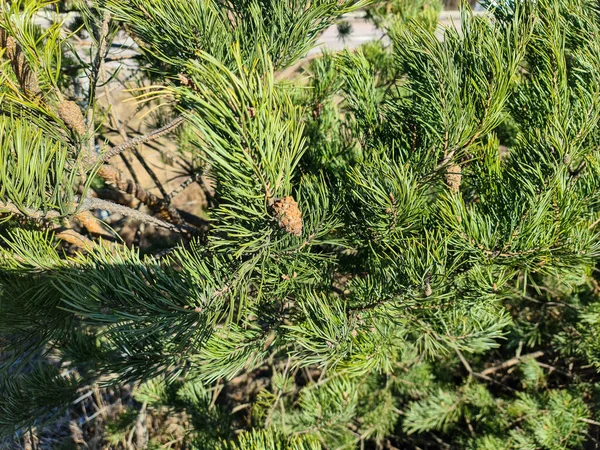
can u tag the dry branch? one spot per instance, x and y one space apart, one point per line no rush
141 139
511 362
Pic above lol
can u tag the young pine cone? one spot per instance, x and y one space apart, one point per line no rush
453 177
71 115
288 215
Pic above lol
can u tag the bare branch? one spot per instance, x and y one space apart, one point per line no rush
94 77
182 187
591 422
511 362
89 204
96 203
141 139
115 177
11 208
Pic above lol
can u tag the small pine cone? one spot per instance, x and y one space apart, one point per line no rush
71 115
288 214
27 78
453 177
9 43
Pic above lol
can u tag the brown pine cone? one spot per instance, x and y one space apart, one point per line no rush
453 177
71 115
288 215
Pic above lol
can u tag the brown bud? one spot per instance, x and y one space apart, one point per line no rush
186 81
183 79
453 177
288 215
428 291
71 115
317 110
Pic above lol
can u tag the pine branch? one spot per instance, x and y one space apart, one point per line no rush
94 78
96 203
114 177
93 203
182 187
590 421
482 376
30 213
141 139
122 198
511 362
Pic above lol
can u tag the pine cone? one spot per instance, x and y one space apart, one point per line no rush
453 177
288 214
25 75
71 115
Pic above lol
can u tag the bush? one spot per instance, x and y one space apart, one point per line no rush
393 247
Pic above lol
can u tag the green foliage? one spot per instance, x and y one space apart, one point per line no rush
35 172
258 440
286 30
24 396
399 248
395 13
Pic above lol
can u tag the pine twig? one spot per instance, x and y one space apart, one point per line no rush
115 177
463 360
511 362
141 139
590 421
481 376
182 187
30 213
96 203
94 78
87 205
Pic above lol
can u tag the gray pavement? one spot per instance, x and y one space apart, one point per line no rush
364 31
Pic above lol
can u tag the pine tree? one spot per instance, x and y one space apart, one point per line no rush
397 245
